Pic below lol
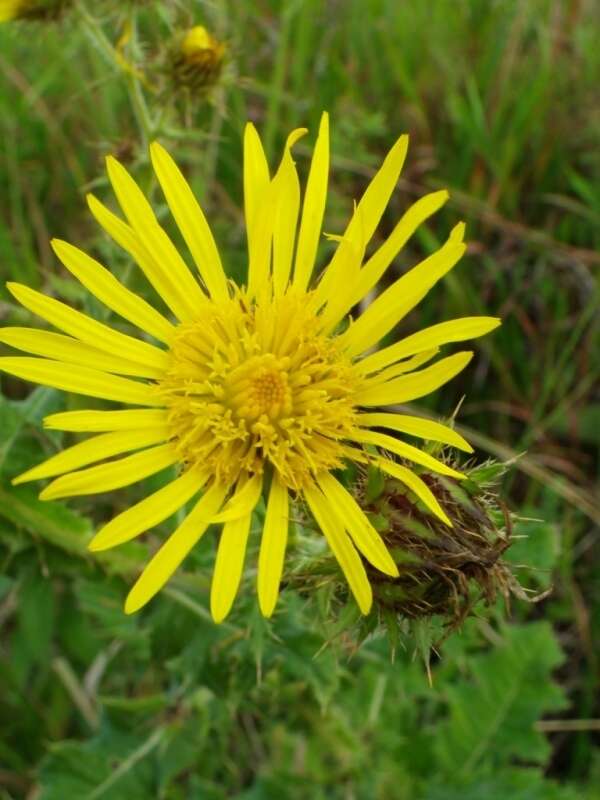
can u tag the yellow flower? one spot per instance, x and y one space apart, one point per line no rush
31 9
197 59
10 9
254 389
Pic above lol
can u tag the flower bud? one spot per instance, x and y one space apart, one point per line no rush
196 60
44 10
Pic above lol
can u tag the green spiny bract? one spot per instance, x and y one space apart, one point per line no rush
444 572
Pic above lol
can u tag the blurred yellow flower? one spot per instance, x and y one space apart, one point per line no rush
197 59
31 9
257 389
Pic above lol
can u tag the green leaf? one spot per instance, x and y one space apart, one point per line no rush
53 522
112 766
511 784
37 616
18 451
493 711
534 551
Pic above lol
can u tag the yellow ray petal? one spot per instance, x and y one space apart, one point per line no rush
354 520
416 426
401 368
364 221
265 218
101 421
342 548
243 501
272 547
313 209
287 204
191 221
175 549
101 283
415 484
406 451
81 380
228 566
72 352
349 254
372 271
156 272
259 257
113 475
150 511
406 226
95 449
402 296
455 330
143 221
416 384
88 330
256 185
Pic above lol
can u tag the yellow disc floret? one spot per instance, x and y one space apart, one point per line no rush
251 384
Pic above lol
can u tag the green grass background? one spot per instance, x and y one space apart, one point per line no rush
502 103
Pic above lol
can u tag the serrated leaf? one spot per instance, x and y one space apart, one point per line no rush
111 766
510 784
492 714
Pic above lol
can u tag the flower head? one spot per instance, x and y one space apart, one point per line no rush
266 388
32 9
196 59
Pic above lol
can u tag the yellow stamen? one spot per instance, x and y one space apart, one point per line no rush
234 404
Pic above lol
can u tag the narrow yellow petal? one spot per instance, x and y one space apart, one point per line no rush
272 547
406 226
113 475
415 484
101 283
101 421
271 212
81 380
354 520
256 186
175 549
349 257
365 220
72 352
313 209
400 298
95 449
415 384
157 273
455 330
150 511
243 501
287 205
342 548
259 256
375 267
88 330
191 221
228 566
401 367
416 426
143 221
406 451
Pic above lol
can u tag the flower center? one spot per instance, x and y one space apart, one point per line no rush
260 386
255 384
